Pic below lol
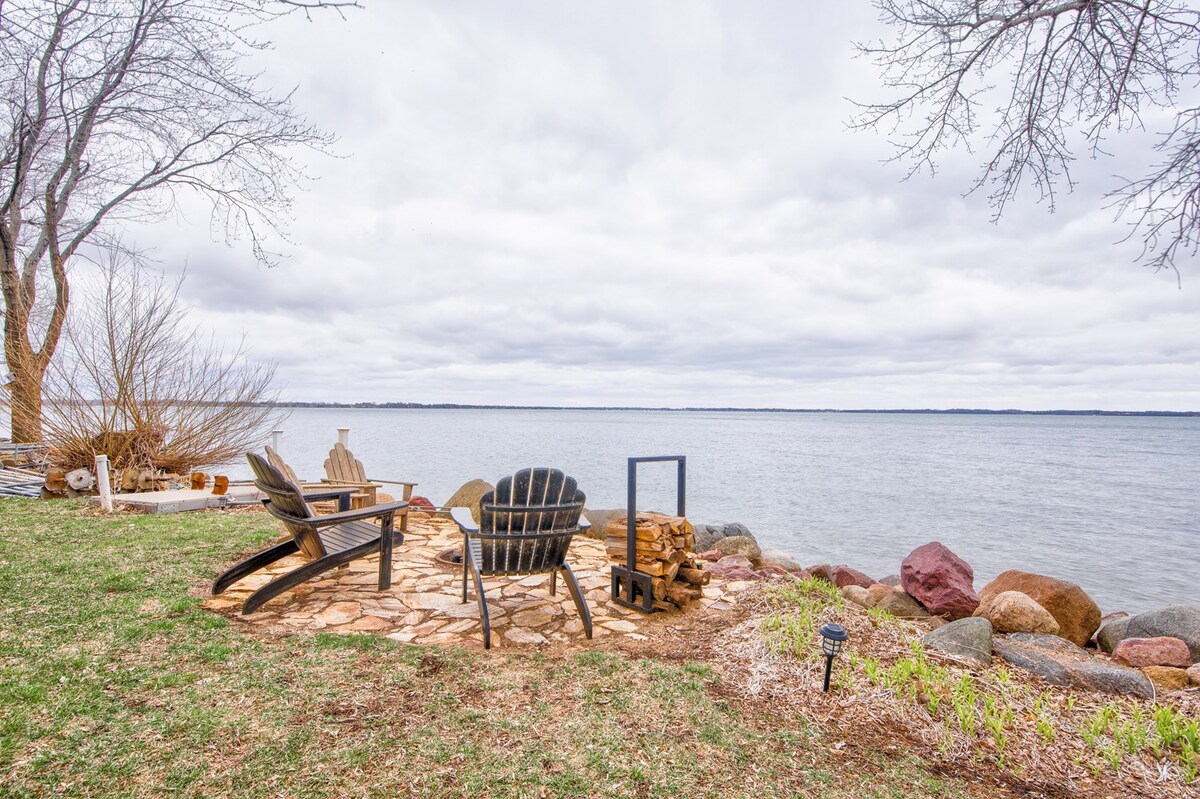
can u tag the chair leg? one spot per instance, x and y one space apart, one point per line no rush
385 554
297 576
470 563
577 595
253 564
465 568
553 583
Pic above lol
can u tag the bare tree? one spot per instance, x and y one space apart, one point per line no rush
135 381
1023 79
109 109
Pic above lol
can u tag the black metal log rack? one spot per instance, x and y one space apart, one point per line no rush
631 587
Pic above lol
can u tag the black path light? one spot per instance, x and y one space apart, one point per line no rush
833 637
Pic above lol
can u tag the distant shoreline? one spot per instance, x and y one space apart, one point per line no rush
939 411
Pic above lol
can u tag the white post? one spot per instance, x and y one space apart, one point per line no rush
276 440
102 482
344 436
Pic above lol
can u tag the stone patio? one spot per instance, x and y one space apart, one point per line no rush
424 603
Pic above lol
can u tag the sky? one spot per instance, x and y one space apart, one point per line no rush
661 204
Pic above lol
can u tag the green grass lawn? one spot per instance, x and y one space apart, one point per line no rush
114 682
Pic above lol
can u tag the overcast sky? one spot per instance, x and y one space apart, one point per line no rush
645 203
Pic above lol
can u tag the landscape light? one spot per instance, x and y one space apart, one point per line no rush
833 637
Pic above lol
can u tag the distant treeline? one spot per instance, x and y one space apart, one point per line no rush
970 411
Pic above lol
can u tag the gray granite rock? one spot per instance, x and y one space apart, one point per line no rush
967 639
735 529
1112 633
1174 621
1060 662
706 535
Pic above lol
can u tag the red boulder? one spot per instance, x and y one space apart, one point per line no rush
844 575
1159 651
940 580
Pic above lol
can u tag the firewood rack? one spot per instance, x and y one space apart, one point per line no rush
631 587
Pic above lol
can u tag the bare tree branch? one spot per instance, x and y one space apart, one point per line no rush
107 108
1053 72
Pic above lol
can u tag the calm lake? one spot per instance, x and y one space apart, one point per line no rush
1108 502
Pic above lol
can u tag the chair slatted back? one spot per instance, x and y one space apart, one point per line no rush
276 460
342 466
528 520
285 501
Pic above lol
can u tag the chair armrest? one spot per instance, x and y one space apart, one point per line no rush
393 482
355 484
465 521
332 493
369 512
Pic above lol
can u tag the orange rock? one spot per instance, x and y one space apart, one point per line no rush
1077 614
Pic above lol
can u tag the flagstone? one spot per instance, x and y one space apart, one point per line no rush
431 601
461 626
532 618
339 613
520 635
428 628
369 623
404 637
619 626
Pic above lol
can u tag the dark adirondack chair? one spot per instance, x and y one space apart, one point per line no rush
329 540
526 524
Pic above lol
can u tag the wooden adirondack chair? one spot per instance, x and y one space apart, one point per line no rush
329 540
526 524
343 469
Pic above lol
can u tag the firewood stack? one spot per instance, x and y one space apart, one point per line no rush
664 551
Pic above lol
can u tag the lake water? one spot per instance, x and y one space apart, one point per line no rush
1108 502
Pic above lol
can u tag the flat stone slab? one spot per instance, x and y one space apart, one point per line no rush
424 603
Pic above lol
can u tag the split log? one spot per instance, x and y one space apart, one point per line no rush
682 593
199 479
695 576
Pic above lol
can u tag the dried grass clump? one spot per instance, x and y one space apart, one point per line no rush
134 381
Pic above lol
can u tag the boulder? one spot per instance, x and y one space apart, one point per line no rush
822 571
600 517
468 496
777 557
1014 612
1193 674
966 639
1112 633
939 580
901 605
891 579
730 563
1175 621
844 575
1166 678
740 545
1077 615
1061 662
737 530
420 505
771 570
712 555
706 535
858 595
1159 651
878 591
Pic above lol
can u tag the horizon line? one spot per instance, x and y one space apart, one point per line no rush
722 409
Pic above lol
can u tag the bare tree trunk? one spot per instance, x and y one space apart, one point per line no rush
27 406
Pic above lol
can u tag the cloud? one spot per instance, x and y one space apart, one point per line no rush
660 204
